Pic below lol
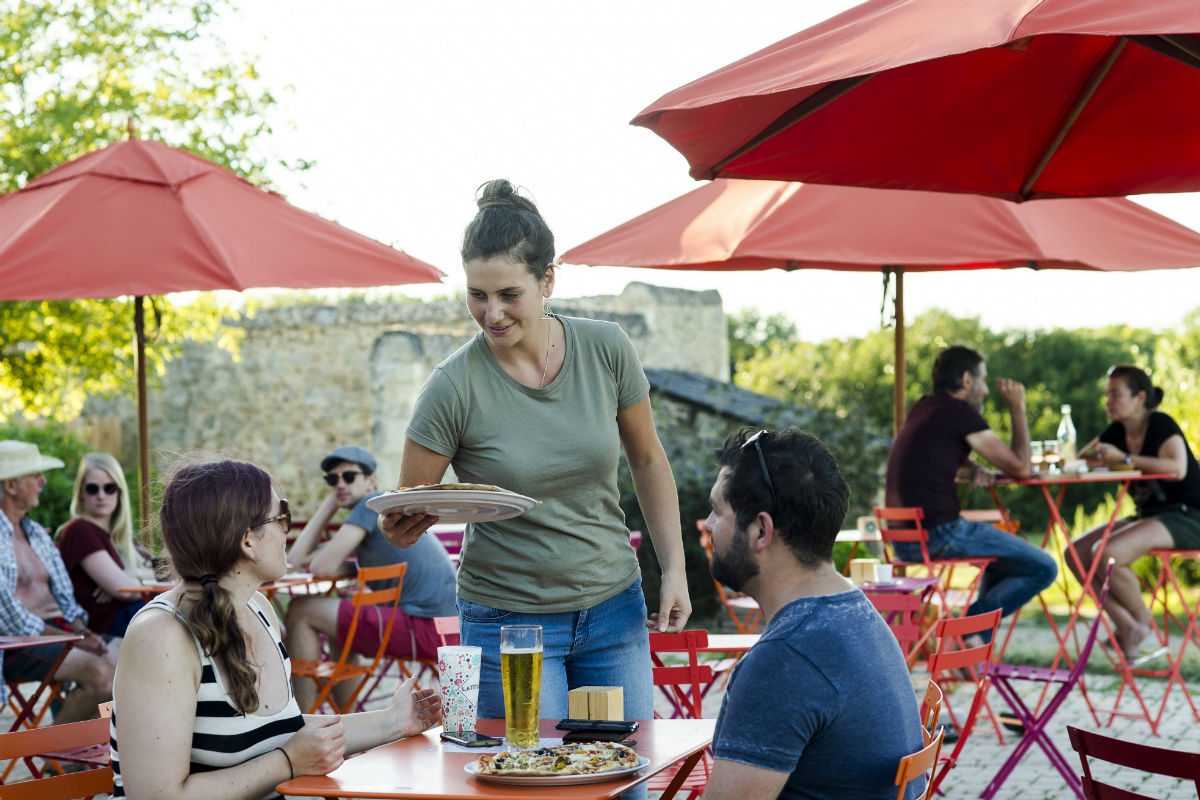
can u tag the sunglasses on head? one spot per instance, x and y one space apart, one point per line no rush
348 476
762 461
94 488
284 516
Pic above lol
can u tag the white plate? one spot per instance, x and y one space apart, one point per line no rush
882 584
454 505
557 780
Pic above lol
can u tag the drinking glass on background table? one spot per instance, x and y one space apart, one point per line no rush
1036 455
521 675
1052 453
458 681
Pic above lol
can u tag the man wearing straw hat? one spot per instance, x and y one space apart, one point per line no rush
36 596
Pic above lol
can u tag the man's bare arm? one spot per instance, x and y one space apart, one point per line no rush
1012 460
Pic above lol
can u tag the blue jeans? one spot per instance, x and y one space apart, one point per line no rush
1018 574
605 645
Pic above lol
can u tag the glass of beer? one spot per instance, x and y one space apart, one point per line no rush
521 674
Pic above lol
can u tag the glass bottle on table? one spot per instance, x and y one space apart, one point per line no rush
1066 435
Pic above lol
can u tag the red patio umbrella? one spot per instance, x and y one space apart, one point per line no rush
141 218
752 225
1014 98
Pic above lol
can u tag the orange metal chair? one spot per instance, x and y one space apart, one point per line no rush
685 686
1130 756
907 525
743 610
960 665
447 630
27 744
369 607
921 763
931 709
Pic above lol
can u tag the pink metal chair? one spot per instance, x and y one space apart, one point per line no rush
1035 720
902 613
1130 756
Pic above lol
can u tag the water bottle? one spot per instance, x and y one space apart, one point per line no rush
1066 436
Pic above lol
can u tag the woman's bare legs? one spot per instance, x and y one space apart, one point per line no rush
1128 542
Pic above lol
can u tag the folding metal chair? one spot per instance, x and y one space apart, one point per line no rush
367 602
685 687
92 755
447 630
920 764
1130 756
931 709
952 665
26 744
1036 719
902 613
907 525
743 610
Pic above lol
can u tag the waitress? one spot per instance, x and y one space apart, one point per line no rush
543 404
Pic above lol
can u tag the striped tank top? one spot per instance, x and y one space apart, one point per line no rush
222 736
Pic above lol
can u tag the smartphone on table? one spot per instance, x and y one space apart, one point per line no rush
471 739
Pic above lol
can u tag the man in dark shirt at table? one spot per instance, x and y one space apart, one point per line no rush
933 450
822 706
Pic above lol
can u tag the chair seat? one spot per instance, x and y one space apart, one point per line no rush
96 755
1024 673
312 668
694 783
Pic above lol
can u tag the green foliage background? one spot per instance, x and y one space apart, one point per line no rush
56 441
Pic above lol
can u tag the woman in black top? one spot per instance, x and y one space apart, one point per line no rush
1168 511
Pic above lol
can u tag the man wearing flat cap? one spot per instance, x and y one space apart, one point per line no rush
428 592
36 596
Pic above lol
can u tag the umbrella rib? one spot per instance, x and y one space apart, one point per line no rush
797 113
1064 126
1184 49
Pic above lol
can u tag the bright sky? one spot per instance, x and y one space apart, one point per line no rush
408 107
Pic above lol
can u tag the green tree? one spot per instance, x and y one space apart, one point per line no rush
73 75
752 333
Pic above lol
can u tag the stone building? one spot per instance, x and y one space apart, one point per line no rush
312 377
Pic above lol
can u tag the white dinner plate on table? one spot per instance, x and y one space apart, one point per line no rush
454 505
557 780
881 584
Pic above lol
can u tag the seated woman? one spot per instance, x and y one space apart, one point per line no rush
98 548
1168 511
203 705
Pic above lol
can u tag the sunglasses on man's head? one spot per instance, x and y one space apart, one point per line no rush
94 488
348 476
762 461
284 516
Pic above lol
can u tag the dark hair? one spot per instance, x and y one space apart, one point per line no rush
811 496
950 365
1138 381
509 225
206 508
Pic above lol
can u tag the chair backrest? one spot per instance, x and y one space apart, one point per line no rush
684 683
54 738
902 524
365 597
931 709
920 763
447 630
635 539
1130 755
902 613
451 537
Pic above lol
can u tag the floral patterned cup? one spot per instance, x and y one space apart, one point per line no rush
458 673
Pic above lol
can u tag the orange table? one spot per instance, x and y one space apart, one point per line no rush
1058 535
419 768
730 642
26 708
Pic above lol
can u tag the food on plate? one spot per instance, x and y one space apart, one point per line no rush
584 758
460 487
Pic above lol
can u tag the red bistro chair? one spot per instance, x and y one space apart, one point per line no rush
1130 756
685 686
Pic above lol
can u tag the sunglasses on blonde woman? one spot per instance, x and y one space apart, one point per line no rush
94 488
284 516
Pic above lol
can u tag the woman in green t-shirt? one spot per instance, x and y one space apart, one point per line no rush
543 405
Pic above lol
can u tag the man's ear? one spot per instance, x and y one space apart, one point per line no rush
766 533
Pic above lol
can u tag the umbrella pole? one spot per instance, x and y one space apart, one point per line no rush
139 327
898 386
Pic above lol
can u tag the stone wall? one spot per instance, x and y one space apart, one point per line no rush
312 377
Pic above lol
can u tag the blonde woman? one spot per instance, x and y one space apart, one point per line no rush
97 545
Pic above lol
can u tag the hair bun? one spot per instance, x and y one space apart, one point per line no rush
501 193
1157 393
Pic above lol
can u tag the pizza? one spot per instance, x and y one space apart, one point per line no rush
584 758
449 487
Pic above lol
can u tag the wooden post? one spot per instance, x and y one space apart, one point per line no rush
898 406
139 326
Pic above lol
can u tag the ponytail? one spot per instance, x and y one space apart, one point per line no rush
213 618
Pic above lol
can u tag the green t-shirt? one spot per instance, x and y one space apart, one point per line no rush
559 445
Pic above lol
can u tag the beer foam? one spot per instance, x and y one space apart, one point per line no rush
520 652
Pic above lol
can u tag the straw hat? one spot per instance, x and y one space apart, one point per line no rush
23 458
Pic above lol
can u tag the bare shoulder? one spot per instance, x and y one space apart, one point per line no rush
158 640
263 605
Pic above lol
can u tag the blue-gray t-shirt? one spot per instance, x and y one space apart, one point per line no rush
429 581
826 696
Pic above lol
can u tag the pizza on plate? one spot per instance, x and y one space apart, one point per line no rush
583 758
451 487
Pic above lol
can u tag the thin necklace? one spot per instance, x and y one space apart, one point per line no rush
546 368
